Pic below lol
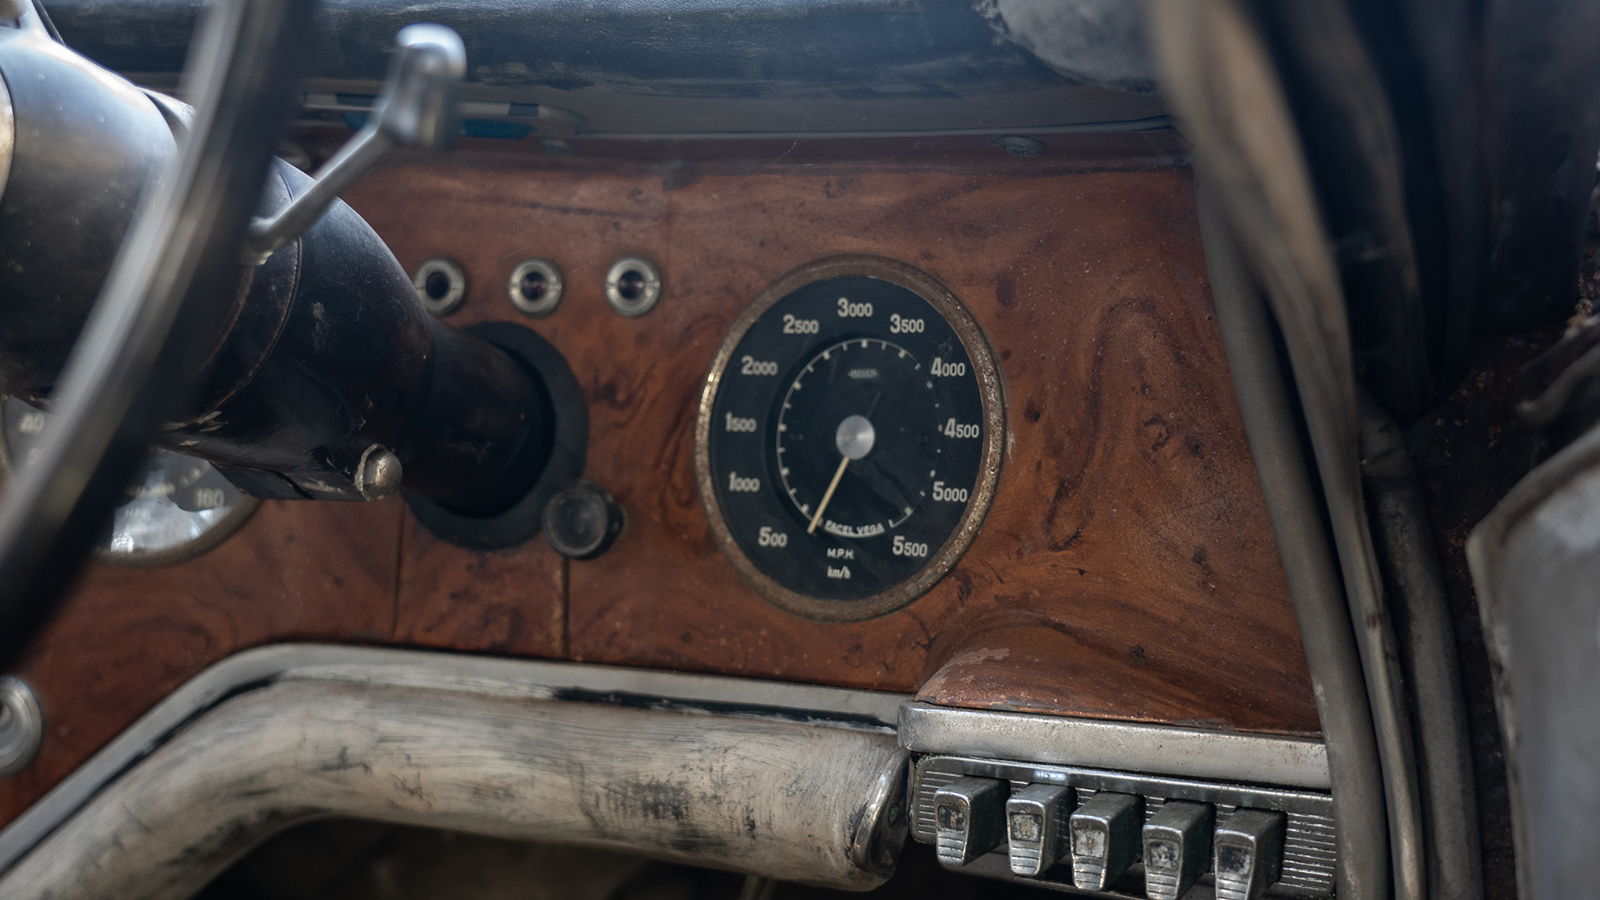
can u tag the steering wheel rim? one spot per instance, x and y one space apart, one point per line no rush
123 377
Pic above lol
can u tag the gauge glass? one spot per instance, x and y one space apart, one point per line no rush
833 421
849 438
177 508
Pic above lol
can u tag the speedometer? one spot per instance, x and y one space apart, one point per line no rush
179 508
849 437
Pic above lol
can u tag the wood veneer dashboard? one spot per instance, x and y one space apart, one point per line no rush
1126 569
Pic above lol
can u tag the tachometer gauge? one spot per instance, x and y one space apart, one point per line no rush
849 438
179 508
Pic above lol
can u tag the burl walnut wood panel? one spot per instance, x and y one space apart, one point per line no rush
507 601
125 638
1127 568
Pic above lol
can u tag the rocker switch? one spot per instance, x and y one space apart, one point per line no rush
1104 834
1249 853
970 817
1177 848
1036 827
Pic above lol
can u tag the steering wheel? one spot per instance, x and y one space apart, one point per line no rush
180 252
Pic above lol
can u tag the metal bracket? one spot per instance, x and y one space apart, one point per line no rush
418 109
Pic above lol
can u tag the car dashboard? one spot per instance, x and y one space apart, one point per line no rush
1094 627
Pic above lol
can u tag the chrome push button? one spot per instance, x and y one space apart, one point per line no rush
969 814
1177 848
1249 853
1104 835
1036 827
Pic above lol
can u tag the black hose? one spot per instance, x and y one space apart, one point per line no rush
1221 78
1403 535
1306 551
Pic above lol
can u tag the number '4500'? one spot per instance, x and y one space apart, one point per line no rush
956 429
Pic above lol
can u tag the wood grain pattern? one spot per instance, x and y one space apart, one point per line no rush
1127 568
504 601
125 637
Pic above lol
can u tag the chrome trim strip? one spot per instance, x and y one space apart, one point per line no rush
1150 123
772 797
1183 752
8 135
528 679
1130 747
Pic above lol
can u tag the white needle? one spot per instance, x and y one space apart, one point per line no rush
832 486
854 438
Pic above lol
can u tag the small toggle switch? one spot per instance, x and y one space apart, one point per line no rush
970 816
1104 834
1036 827
1249 853
1177 848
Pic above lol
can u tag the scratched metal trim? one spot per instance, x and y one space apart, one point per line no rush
1126 746
776 798
259 668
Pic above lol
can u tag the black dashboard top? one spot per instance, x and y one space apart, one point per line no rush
718 66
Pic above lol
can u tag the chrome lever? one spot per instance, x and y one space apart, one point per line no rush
417 109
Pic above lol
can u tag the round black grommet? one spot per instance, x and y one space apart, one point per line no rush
523 521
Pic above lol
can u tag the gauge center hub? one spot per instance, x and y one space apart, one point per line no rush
854 437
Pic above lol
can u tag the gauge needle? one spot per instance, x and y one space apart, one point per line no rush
854 438
828 495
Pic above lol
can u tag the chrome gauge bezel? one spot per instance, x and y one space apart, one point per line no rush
991 394
193 548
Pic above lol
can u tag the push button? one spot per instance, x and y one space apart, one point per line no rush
1249 853
1036 817
969 814
1177 848
1105 838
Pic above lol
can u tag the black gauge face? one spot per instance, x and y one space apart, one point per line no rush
850 438
833 422
179 507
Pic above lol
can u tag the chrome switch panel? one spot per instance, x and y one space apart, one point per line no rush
1256 843
1036 827
971 816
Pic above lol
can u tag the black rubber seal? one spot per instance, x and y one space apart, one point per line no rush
523 521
